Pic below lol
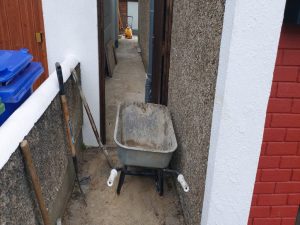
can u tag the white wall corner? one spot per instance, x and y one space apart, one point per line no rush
71 29
250 37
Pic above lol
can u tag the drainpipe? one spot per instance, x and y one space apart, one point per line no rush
116 7
148 85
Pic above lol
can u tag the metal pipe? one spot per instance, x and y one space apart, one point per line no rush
180 179
158 174
148 85
173 172
115 13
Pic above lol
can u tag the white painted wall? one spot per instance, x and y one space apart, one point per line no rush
133 10
71 28
248 49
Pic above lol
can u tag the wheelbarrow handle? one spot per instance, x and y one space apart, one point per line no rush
183 183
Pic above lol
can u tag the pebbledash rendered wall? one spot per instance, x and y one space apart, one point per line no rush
49 150
196 38
276 196
144 29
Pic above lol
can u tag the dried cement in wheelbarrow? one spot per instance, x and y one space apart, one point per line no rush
144 134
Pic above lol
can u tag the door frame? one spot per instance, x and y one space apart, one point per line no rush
161 56
101 64
163 11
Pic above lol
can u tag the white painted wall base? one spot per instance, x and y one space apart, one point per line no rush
71 28
249 45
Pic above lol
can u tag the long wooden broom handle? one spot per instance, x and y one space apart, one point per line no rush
35 181
68 124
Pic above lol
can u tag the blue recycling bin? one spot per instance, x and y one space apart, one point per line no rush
17 76
12 63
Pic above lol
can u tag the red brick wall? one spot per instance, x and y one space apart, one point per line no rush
123 6
276 196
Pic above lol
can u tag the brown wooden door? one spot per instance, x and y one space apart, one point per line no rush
20 20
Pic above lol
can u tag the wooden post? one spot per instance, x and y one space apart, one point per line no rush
35 181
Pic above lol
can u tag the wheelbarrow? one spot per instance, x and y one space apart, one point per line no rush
146 141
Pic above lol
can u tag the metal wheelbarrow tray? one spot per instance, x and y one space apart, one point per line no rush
144 135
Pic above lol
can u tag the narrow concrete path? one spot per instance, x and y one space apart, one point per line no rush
126 84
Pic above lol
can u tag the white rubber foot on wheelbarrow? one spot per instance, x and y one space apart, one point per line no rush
183 183
112 177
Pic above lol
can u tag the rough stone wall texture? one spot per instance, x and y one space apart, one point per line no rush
144 29
49 150
196 38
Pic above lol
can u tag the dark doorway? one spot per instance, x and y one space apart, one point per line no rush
163 11
161 56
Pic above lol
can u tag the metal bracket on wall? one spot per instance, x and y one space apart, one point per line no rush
39 37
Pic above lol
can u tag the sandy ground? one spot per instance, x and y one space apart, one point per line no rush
138 203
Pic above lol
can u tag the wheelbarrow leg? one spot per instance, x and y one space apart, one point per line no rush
121 180
161 182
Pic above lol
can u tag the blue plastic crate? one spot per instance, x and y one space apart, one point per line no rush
12 63
19 89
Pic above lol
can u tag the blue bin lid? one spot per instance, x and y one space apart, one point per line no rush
12 62
16 89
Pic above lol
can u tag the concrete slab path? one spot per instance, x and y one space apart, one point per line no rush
126 84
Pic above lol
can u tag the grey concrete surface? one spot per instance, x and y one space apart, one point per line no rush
196 36
144 29
126 84
49 150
